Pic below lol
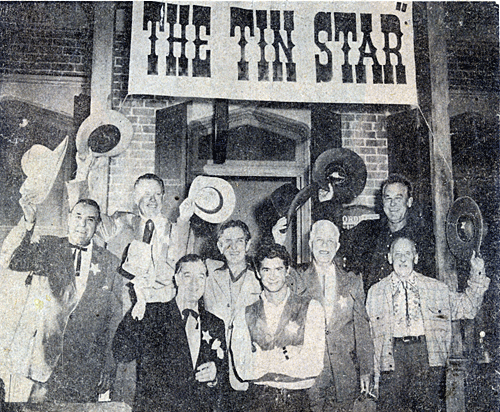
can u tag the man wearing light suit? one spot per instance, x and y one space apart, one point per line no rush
349 347
180 349
68 355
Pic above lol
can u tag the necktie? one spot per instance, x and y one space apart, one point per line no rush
187 312
405 286
148 231
77 254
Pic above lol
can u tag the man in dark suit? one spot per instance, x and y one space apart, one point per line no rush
180 348
72 359
349 347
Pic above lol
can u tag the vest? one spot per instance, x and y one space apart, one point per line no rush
291 326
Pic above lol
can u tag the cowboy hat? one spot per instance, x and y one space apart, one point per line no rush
213 198
41 166
106 133
464 228
344 170
282 198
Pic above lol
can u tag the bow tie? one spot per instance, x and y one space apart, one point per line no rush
187 312
83 249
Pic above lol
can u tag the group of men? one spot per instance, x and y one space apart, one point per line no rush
238 333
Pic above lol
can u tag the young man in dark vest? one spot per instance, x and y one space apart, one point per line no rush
278 342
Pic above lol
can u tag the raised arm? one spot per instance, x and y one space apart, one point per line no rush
466 305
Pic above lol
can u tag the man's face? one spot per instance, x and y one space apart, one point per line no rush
148 197
403 256
191 280
396 202
82 224
324 242
232 245
273 274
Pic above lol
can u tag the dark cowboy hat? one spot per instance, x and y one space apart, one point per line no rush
464 228
344 169
287 199
283 197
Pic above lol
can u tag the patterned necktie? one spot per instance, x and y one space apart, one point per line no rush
148 231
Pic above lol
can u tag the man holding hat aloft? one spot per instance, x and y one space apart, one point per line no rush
410 317
146 240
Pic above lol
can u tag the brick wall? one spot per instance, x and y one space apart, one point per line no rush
139 158
365 134
35 39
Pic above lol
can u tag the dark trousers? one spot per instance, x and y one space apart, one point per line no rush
413 385
262 398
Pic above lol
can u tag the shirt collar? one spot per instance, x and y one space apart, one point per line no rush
267 302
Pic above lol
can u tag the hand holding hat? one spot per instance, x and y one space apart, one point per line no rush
41 166
213 198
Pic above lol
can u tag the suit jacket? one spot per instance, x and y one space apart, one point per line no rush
77 339
165 374
349 347
439 307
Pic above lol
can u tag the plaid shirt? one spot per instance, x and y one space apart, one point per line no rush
439 307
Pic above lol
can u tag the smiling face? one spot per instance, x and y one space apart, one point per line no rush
273 273
403 255
148 196
396 202
82 224
324 241
233 245
190 281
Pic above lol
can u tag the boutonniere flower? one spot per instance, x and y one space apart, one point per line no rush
216 347
206 336
292 328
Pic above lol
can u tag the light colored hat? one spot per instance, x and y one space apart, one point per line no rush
213 198
110 130
41 166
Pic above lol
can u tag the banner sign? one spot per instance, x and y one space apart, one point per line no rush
303 51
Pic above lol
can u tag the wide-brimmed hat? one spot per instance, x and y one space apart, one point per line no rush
282 198
344 169
41 166
213 198
464 228
106 133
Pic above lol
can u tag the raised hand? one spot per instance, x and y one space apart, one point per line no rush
29 208
186 209
476 264
279 231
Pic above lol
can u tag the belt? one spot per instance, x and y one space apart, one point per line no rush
409 339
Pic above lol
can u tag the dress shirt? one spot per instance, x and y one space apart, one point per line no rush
328 281
273 312
81 281
408 319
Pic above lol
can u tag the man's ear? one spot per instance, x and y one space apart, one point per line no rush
415 259
389 258
247 247
409 202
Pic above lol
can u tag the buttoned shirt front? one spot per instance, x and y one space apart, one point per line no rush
408 319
